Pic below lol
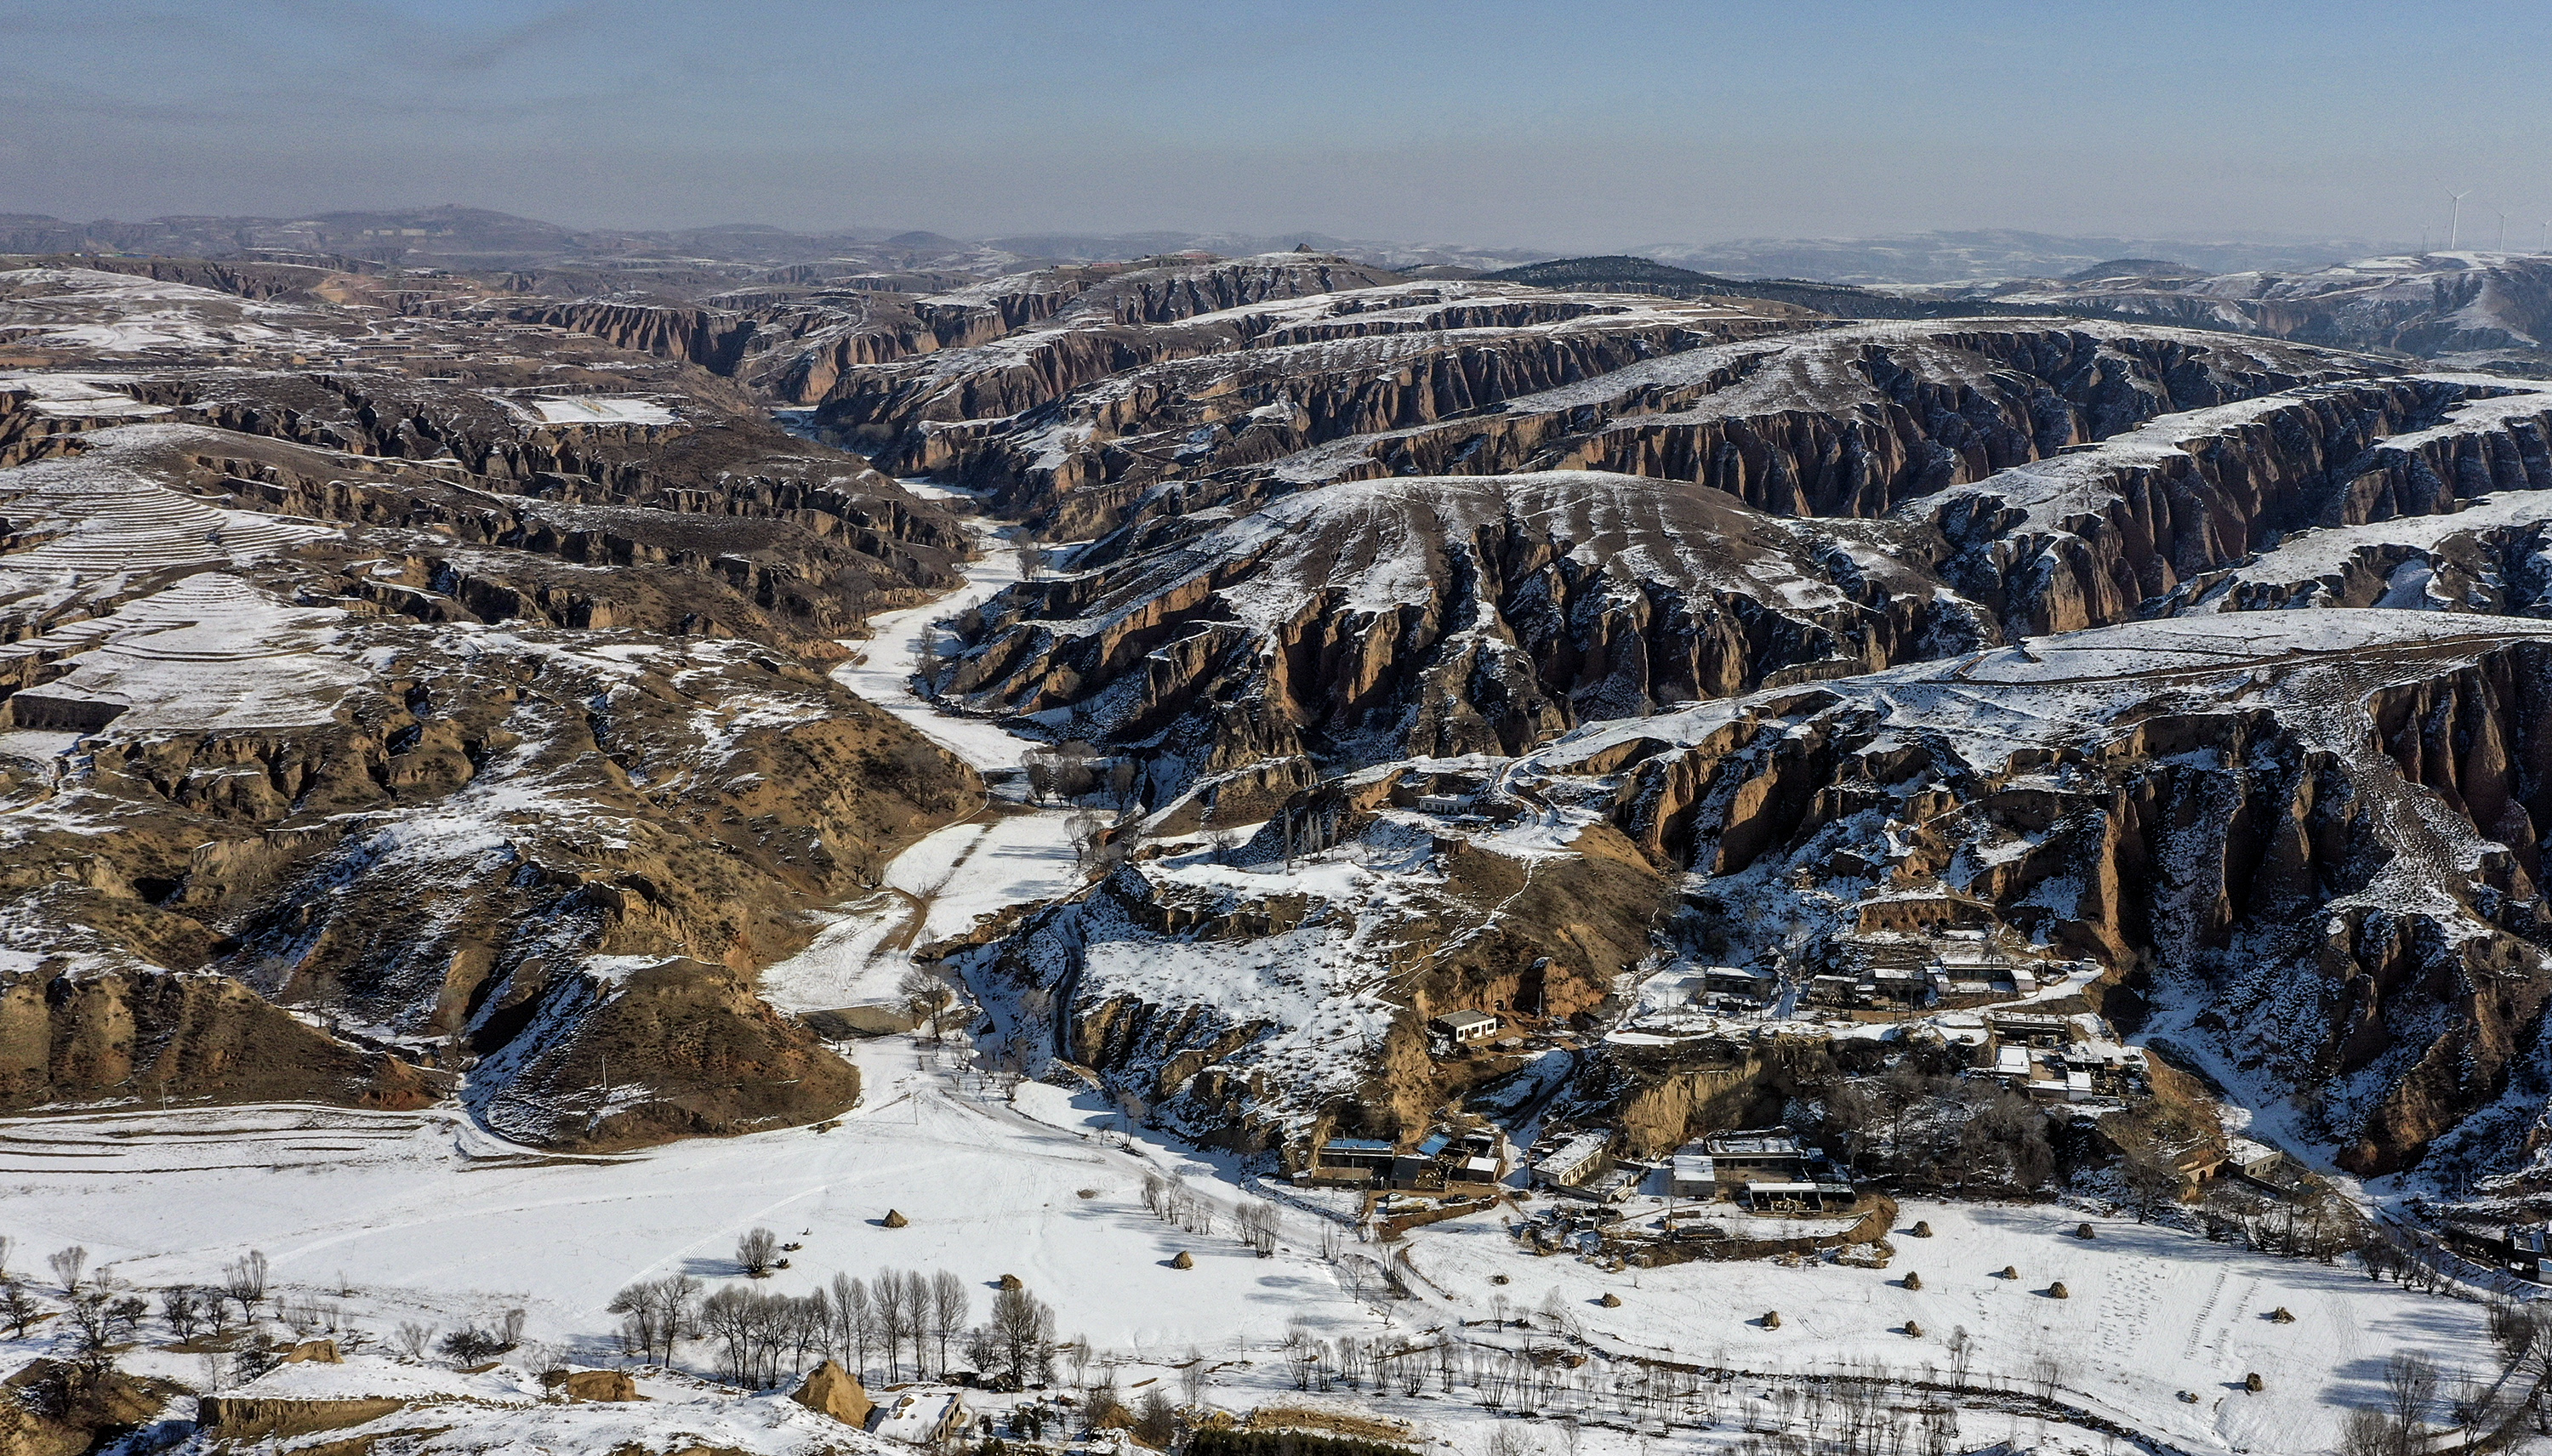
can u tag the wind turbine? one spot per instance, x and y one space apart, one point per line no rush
2502 230
2455 219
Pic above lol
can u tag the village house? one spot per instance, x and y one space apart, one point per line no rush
1693 1173
1464 1029
919 1417
1576 1161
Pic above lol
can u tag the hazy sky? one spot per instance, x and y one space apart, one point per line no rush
1564 125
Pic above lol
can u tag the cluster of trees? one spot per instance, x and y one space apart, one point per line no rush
2315 1223
760 1339
1076 771
102 1312
2415 1392
2417 1261
1171 1200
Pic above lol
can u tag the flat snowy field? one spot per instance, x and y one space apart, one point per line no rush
425 1219
2150 1312
428 1219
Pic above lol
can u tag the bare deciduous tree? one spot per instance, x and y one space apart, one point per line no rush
1194 1376
245 1281
415 1338
855 1322
926 996
757 1252
66 1265
949 1310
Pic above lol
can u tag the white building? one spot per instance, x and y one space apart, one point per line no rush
1694 1176
1576 1159
1462 1028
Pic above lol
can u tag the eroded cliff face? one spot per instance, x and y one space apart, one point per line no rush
470 695
1441 617
1272 384
2090 539
1243 1006
447 832
2298 851
1050 333
186 1036
1359 621
2463 306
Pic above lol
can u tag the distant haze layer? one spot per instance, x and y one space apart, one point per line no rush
1595 127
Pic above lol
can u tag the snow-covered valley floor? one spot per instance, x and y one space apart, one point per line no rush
398 1218
1006 853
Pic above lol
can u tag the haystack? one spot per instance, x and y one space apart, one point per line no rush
829 1390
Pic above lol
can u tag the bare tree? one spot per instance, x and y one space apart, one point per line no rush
415 1338
2046 1372
1194 1376
654 1315
245 1281
917 1314
757 1252
949 1311
1258 1227
2367 1433
855 1322
183 1305
67 1266
926 996
1085 830
887 1292
1023 1327
2409 1387
17 1306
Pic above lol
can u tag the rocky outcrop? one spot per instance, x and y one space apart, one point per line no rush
592 1385
700 1055
2496 306
1371 361
1849 421
1063 329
